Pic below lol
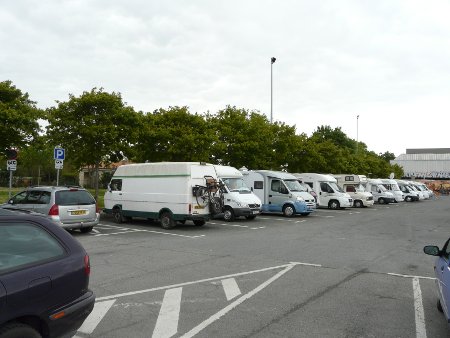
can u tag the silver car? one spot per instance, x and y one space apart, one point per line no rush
69 207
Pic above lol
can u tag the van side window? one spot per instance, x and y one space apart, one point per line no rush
373 188
258 185
350 188
116 185
324 187
275 185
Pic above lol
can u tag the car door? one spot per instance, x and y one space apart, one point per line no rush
443 276
278 194
324 193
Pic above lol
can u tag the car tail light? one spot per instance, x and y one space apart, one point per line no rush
54 210
87 265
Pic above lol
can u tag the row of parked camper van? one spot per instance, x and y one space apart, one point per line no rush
180 191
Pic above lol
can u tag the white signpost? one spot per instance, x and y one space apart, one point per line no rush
11 165
59 156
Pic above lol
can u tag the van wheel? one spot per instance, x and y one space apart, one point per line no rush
288 210
167 221
199 222
381 200
333 204
118 217
358 204
86 230
228 214
408 198
18 330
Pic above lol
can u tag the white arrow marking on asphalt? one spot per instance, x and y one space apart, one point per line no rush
167 323
97 314
231 288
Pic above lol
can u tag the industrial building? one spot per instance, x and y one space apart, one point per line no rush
432 163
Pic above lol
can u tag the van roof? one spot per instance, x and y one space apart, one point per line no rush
277 174
158 168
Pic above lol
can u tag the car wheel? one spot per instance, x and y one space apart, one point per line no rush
408 198
358 204
228 214
288 210
199 222
439 306
18 330
167 221
381 200
118 217
250 217
334 205
86 229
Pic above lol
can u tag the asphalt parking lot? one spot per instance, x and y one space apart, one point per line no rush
345 273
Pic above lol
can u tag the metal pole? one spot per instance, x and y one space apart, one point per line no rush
357 131
57 177
271 91
10 182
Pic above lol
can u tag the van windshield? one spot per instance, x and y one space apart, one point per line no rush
236 184
294 185
335 187
360 188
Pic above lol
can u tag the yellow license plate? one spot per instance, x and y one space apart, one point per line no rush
78 212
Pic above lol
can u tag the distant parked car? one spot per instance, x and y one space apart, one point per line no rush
442 273
69 207
44 278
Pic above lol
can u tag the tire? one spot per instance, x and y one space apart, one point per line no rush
408 198
199 222
201 196
288 210
86 229
333 204
18 330
118 217
228 214
167 221
381 200
358 204
439 306
250 217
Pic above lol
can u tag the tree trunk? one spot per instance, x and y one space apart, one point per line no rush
97 166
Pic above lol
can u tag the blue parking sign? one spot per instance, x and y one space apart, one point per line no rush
59 154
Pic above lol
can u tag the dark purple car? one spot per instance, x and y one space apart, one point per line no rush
44 278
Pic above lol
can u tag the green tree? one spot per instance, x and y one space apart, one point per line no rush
94 128
174 135
18 116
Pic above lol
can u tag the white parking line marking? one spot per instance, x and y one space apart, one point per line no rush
303 220
231 288
409 276
167 322
238 301
421 331
95 317
149 231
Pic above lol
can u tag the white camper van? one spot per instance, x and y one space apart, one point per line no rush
279 192
354 186
239 200
409 193
380 194
329 195
165 191
392 186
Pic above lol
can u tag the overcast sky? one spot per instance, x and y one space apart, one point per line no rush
387 61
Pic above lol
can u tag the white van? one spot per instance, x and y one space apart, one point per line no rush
164 191
239 200
380 194
329 195
422 189
353 185
408 192
392 186
279 192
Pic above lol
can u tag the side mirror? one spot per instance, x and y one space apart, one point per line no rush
11 202
109 188
432 250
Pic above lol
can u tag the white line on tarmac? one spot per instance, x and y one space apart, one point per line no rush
97 314
231 306
204 280
167 322
409 276
230 288
150 231
421 331
303 220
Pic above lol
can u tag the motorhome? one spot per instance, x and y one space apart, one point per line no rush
279 192
329 194
380 194
409 193
353 185
164 191
422 188
239 200
392 186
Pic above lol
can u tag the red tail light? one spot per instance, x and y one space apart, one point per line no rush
87 265
54 210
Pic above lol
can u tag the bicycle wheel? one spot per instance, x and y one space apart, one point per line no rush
202 196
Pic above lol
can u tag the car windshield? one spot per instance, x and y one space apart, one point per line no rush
74 197
335 187
294 185
236 184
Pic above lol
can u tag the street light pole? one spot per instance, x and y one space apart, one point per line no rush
272 61
357 127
